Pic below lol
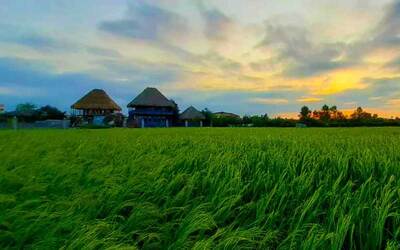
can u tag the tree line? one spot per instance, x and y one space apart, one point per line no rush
324 117
327 116
28 112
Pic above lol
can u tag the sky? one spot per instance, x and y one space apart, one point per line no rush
241 56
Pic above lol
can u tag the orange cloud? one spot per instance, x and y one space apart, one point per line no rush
272 101
309 99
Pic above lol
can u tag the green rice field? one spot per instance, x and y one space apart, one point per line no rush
200 188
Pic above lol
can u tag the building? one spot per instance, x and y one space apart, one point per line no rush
2 108
94 106
192 117
152 109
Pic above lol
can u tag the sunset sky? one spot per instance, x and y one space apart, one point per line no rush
242 56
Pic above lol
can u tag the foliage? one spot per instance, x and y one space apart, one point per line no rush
200 188
114 120
49 112
225 121
332 117
25 107
208 115
305 113
27 112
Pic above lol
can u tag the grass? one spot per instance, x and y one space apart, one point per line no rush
200 188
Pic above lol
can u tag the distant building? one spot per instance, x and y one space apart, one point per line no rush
2 108
152 109
192 117
226 115
94 106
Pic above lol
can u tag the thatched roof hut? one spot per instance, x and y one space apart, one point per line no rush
151 97
192 113
96 103
97 99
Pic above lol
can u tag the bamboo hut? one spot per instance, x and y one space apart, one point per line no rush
151 109
192 117
96 103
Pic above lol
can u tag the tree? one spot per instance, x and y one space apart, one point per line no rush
246 119
305 113
25 108
49 112
325 114
208 115
175 112
360 114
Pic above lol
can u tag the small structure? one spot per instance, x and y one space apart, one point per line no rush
226 115
192 117
2 108
94 106
224 119
152 109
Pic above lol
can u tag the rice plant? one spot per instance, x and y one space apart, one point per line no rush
200 189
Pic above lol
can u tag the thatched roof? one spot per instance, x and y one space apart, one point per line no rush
192 113
96 99
151 97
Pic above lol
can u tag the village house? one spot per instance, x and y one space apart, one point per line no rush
152 109
192 117
94 106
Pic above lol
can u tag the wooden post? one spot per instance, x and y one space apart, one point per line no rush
201 123
186 123
167 123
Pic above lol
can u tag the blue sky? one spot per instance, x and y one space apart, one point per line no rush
248 57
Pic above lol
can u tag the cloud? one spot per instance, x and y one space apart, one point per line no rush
140 73
271 101
309 99
217 24
386 86
213 59
6 91
26 80
376 98
388 30
110 53
303 57
37 41
394 64
394 102
384 35
20 91
146 22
